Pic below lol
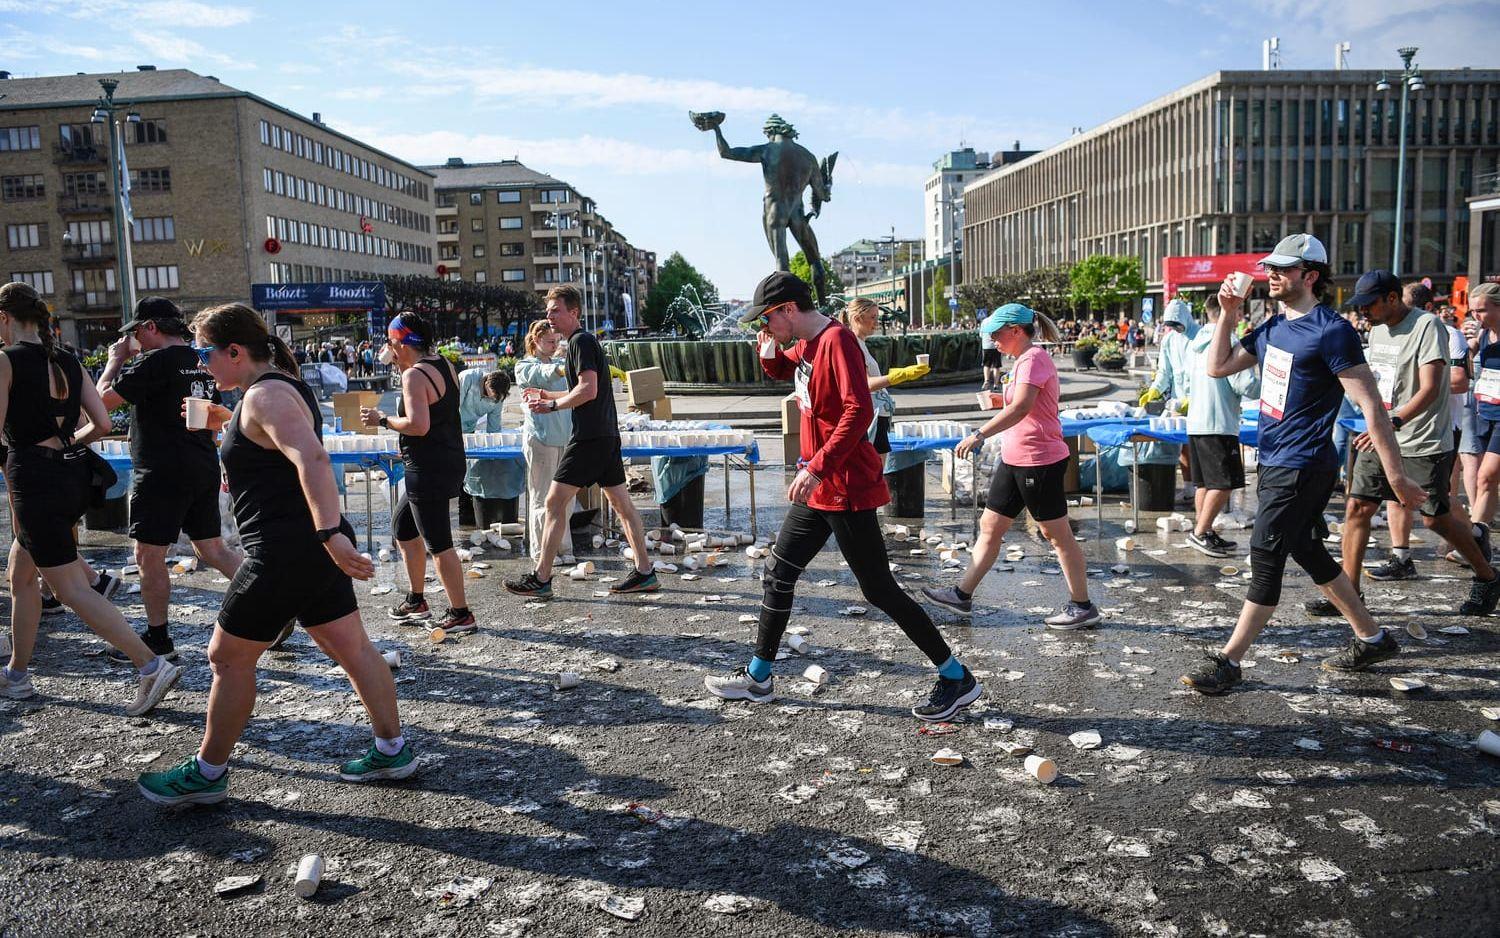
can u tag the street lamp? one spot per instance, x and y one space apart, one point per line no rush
104 113
1411 80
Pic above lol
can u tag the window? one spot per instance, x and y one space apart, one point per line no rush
157 278
475 224
40 280
160 228
22 237
16 188
90 232
508 196
476 198
265 132
480 276
478 250
512 250
554 195
513 276
270 180
448 252
146 131
84 184
151 180
512 223
78 138
20 138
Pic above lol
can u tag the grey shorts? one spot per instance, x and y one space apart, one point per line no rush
1433 472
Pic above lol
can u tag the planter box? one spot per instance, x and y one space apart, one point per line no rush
1110 364
1083 358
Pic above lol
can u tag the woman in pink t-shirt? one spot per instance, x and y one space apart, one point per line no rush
1029 475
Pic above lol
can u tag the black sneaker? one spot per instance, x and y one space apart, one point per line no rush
1362 654
1393 569
1483 597
948 697
530 585
1484 543
406 609
159 646
455 621
1210 544
283 636
52 606
107 584
1323 606
1214 676
637 582
948 598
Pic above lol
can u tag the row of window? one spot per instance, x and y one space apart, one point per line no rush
316 273
289 141
34 185
96 282
85 233
507 197
83 137
316 193
292 231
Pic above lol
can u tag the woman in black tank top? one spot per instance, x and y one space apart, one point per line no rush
432 453
43 400
299 557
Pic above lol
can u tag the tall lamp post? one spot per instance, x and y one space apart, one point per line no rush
104 113
1411 80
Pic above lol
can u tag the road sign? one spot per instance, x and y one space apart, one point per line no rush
952 303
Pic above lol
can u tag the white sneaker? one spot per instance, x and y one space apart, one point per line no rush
154 687
1074 616
18 689
739 685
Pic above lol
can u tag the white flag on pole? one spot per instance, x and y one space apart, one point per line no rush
124 183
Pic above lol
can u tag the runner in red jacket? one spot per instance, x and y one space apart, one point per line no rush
836 491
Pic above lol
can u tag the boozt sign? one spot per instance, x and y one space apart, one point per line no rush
283 297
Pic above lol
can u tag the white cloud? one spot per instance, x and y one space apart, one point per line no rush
178 49
189 15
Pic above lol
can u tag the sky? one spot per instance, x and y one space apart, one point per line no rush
597 94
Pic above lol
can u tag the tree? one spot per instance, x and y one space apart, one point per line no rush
937 302
803 270
673 275
1044 289
1103 281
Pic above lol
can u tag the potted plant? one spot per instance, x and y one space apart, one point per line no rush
1109 356
1084 351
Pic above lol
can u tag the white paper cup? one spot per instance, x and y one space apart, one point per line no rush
197 413
819 675
309 874
768 348
797 643
1239 283
565 680
923 359
1489 743
387 355
392 658
947 757
1042 769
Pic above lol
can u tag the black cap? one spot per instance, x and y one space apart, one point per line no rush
151 308
1372 286
777 289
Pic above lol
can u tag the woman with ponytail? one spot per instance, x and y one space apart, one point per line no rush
862 317
299 559
50 414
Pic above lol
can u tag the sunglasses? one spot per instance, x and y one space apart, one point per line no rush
1281 271
204 351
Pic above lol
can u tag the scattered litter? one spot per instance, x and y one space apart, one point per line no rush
1042 769
1311 745
1416 631
903 837
937 729
1319 871
309 875
729 904
1454 630
853 611
1014 749
628 908
1408 683
1394 745
1086 739
850 857
948 757
998 724
234 885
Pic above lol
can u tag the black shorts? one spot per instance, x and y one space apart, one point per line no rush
1038 489
993 357
1433 472
427 518
591 462
48 496
274 586
1215 462
1487 435
1290 512
159 511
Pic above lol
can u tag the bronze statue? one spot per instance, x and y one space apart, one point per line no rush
788 168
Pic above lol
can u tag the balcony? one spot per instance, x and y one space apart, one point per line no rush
94 301
550 234
448 235
85 204
93 252
447 211
567 208
85 154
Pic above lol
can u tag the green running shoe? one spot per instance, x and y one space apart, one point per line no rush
375 765
183 785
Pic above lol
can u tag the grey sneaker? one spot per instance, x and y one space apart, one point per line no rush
739 685
1074 616
17 689
154 687
1393 569
1362 654
948 598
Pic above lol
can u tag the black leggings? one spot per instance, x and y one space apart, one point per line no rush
803 534
426 518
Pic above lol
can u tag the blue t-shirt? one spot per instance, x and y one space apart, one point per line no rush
1486 361
1300 391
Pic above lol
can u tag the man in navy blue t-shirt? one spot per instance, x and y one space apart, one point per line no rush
1310 357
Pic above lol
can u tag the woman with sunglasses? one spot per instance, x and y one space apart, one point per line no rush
299 558
1029 475
432 453
50 414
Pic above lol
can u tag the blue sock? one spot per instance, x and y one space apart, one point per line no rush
759 669
952 669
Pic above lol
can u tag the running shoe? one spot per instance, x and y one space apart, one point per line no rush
530 585
1454 556
52 606
183 784
1074 616
948 598
107 584
1483 597
159 646
1211 544
637 582
1321 606
739 685
375 765
1214 676
454 621
406 609
1393 569
154 687
948 697
18 688
1362 654
284 636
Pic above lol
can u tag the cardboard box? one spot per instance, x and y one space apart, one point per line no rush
791 415
646 384
791 448
659 409
346 407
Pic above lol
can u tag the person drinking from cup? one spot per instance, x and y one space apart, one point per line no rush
545 434
1216 464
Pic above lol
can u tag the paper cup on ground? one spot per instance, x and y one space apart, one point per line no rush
565 680
392 658
948 757
1407 683
924 359
816 673
1239 283
1489 743
797 643
197 413
1042 769
309 875
438 636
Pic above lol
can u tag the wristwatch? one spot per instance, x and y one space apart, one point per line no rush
326 534
1396 421
384 421
554 405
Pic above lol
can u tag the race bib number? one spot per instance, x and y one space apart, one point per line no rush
1383 362
1275 378
1487 386
799 383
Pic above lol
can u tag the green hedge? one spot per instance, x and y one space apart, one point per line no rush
731 361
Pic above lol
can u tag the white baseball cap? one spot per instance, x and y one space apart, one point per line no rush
1295 249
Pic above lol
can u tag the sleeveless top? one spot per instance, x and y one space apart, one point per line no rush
32 415
1487 378
269 506
434 461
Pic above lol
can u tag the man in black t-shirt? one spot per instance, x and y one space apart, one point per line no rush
175 471
592 455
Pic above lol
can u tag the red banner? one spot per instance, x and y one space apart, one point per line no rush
1208 269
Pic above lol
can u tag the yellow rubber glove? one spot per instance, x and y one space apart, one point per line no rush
1149 395
1182 406
616 373
909 373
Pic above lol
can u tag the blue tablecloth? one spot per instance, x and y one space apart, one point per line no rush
911 444
1120 434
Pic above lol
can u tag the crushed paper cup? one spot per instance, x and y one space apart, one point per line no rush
1086 739
797 643
392 658
1125 543
1415 630
565 680
1042 769
1489 743
1019 750
1490 713
1408 683
1229 570
948 757
817 674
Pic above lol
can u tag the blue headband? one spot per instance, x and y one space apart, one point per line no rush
404 334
